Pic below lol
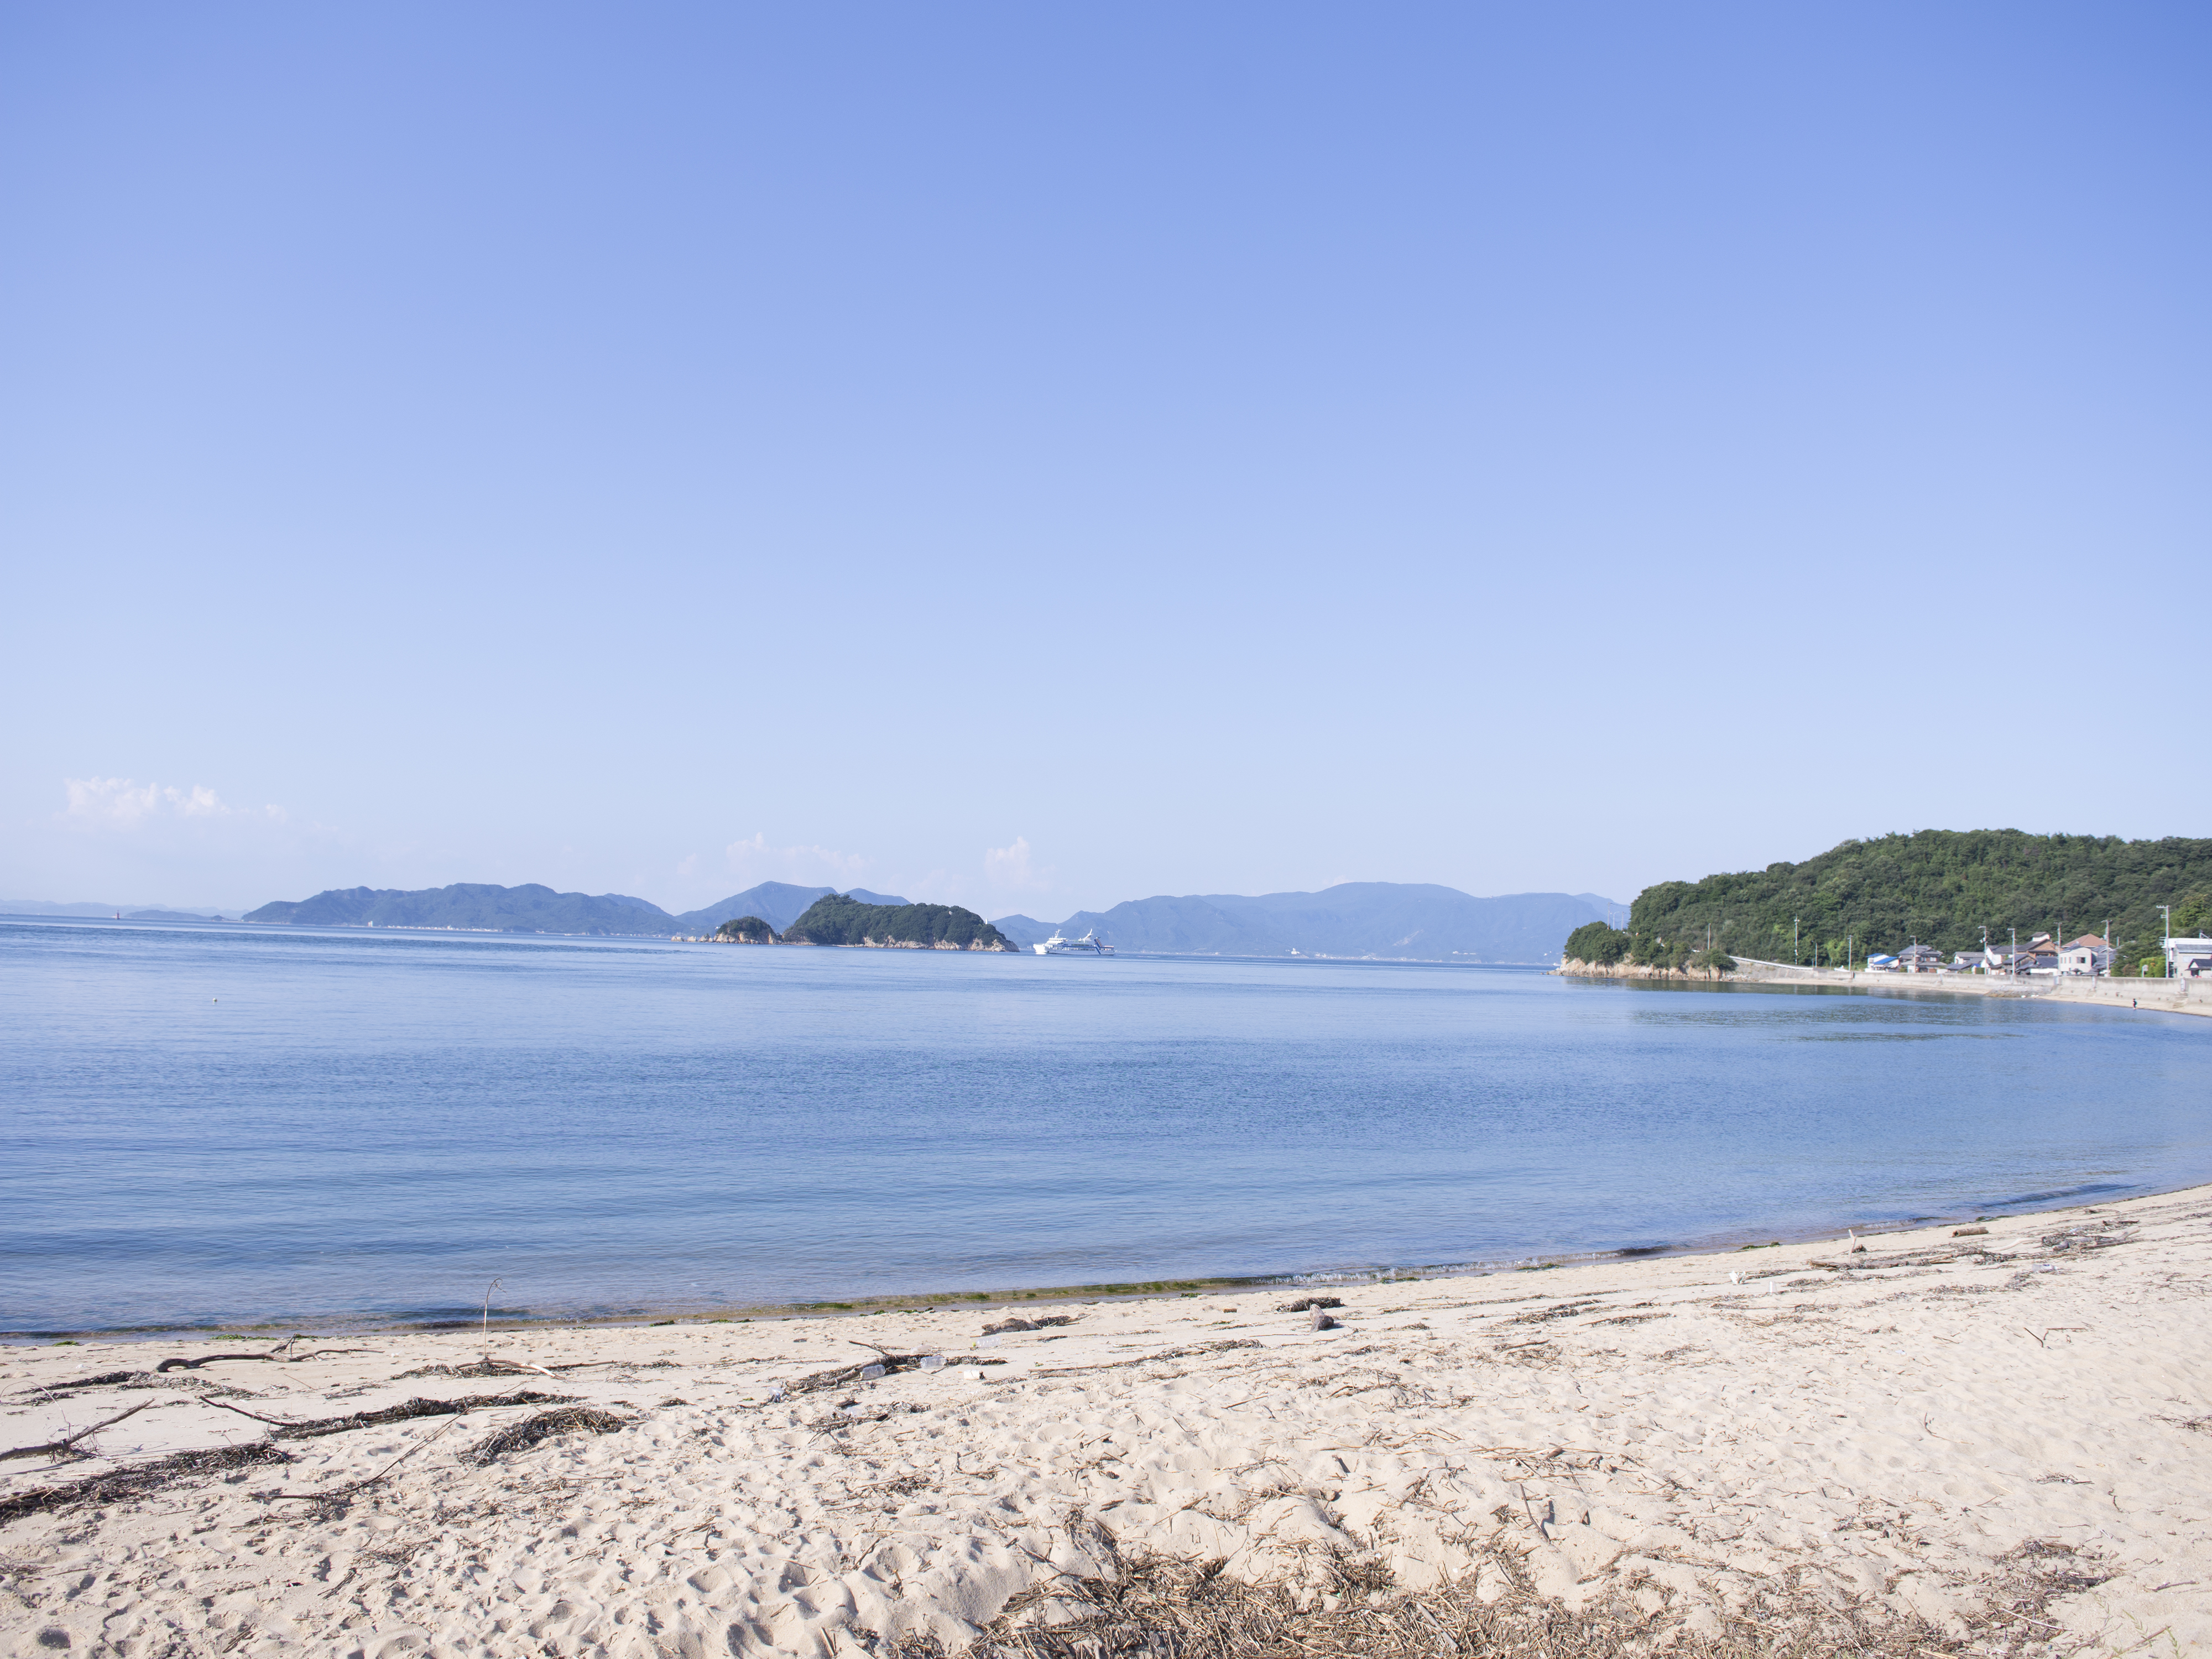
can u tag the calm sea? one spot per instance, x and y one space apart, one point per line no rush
203 1123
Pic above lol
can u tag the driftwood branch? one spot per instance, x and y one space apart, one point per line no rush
67 1443
276 1354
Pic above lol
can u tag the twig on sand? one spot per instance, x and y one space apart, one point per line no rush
340 1494
67 1444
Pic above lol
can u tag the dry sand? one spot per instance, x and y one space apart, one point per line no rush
1994 1443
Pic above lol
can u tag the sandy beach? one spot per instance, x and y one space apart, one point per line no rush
2000 1442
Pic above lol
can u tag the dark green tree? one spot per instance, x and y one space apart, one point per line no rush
1600 944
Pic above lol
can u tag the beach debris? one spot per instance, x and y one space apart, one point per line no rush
973 1373
932 1362
1029 1324
1305 1302
1967 1232
67 1445
105 1379
987 1341
1561 1311
276 1354
1145 1603
568 1420
1321 1321
135 1481
1196 1349
845 1375
870 1373
314 1428
523 1368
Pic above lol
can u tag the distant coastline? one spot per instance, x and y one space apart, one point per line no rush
1354 922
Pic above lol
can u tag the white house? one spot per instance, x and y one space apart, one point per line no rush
2183 956
2087 956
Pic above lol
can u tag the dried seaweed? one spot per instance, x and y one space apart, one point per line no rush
1542 1316
568 1420
1163 1608
312 1428
1194 1350
136 1480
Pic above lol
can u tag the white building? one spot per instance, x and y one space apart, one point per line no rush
2086 957
2189 957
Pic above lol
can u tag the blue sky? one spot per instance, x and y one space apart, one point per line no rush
1036 457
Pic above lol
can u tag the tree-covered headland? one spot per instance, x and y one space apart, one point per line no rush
746 930
1938 887
837 920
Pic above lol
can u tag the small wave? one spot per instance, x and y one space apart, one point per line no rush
2088 1190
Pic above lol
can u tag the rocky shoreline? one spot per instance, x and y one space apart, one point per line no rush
1576 967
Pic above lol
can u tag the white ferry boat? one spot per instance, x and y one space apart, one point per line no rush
1089 945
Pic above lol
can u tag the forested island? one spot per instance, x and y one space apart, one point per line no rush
746 930
1942 888
472 907
839 919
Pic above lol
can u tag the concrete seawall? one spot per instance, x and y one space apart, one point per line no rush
2166 996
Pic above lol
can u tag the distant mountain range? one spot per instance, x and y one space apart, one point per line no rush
1355 919
132 913
531 908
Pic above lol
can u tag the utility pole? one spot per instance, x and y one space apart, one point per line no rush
2012 962
2166 934
1793 941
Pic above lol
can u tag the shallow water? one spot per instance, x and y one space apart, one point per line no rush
205 1123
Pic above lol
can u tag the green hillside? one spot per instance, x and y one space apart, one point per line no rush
1941 887
837 920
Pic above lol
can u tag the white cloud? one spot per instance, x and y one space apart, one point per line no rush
754 860
125 804
1012 867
